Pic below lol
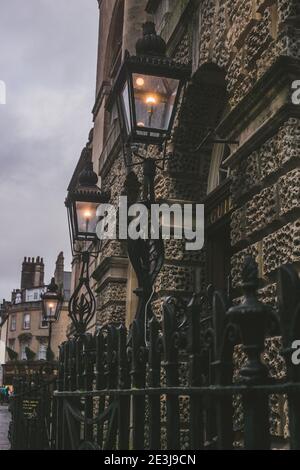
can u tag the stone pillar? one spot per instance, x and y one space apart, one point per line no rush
134 17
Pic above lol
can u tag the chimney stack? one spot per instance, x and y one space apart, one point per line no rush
59 270
32 273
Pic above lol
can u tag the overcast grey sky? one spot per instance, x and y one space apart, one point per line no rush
48 51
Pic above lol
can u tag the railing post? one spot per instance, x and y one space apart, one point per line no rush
154 382
72 364
112 382
100 380
171 340
225 338
59 401
194 347
17 416
66 366
71 428
252 316
89 351
289 313
123 384
79 363
138 374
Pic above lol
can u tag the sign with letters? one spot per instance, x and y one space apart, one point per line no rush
220 210
30 407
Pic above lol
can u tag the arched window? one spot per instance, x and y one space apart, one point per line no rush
218 172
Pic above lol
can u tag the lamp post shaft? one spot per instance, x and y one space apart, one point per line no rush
50 355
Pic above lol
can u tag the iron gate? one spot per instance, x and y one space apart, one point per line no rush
32 413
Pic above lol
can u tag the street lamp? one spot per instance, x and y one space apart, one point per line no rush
147 91
82 203
52 301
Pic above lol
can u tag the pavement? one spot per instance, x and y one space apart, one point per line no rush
4 423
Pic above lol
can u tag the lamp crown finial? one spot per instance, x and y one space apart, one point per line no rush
52 286
151 43
149 28
88 177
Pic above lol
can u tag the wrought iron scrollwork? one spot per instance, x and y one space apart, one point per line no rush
82 304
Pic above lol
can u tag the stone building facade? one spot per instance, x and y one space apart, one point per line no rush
3 335
245 57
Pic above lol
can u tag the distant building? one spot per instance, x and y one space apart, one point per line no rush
27 333
3 334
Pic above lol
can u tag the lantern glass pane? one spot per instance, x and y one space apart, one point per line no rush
126 108
87 218
155 98
50 309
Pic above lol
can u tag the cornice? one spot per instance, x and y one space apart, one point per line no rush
102 93
108 263
263 133
258 103
112 155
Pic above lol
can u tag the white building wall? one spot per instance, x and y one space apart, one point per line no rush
3 332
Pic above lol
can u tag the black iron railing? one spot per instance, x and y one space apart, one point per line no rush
179 389
33 414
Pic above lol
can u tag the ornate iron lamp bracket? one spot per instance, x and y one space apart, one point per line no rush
82 304
146 255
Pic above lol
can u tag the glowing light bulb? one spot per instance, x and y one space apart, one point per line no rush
87 214
150 100
140 81
50 309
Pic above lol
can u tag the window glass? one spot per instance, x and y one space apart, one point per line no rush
154 100
23 351
43 352
26 321
43 323
13 323
218 171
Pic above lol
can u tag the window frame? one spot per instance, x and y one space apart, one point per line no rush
44 345
23 347
13 317
24 316
12 344
42 320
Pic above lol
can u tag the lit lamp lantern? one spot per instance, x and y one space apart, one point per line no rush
147 90
82 204
52 301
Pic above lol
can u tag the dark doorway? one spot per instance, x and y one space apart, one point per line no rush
218 209
218 258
